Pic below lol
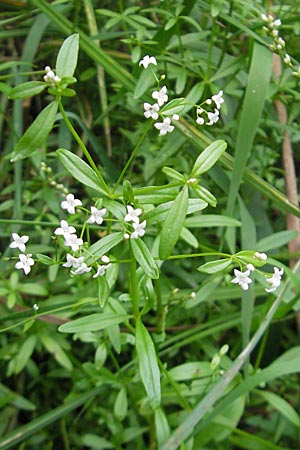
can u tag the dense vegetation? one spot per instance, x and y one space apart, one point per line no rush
149 282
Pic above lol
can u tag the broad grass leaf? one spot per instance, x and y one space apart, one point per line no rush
208 158
148 366
282 406
81 170
93 322
28 89
66 61
215 266
35 136
173 224
144 258
211 220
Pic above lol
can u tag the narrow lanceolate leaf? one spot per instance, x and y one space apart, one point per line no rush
144 258
67 57
208 158
28 89
93 322
172 173
81 170
103 246
215 266
211 220
173 107
36 134
174 223
148 365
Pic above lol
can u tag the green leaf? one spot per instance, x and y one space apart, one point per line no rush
172 173
173 107
121 404
211 220
35 136
24 353
282 406
161 426
276 240
66 61
215 266
208 158
103 246
81 170
28 89
144 258
93 322
204 194
174 223
103 290
144 82
148 365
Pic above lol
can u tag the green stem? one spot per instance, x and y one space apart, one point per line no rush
82 146
134 286
132 156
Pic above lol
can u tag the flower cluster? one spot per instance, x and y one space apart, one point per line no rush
153 111
25 260
132 217
243 278
50 77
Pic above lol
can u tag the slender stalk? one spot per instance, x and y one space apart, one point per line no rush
82 145
134 286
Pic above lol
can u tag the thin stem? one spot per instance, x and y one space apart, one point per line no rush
82 146
134 287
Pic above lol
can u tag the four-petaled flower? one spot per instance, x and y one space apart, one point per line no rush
19 242
132 214
25 263
96 215
218 99
65 229
213 117
101 269
139 229
70 203
73 241
274 280
242 278
147 60
160 96
82 268
165 126
151 110
72 261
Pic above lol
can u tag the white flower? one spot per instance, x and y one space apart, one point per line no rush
70 203
175 117
213 117
73 262
151 110
164 127
261 256
19 242
65 229
82 268
25 263
160 96
50 76
200 120
139 230
287 59
132 214
276 23
73 241
218 99
96 215
264 17
275 280
242 278
101 269
147 60
251 267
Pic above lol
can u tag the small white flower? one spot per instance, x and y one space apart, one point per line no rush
101 269
72 261
70 203
105 259
218 99
264 17
96 215
132 214
261 256
147 60
213 117
164 127
208 101
139 230
251 267
242 278
126 236
200 120
276 23
19 242
175 117
35 307
275 280
287 59
160 96
73 241
82 268
25 263
64 229
151 110
50 76
280 42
